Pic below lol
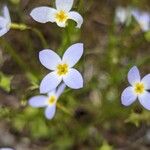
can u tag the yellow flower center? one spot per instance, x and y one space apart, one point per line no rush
62 69
51 100
61 16
139 88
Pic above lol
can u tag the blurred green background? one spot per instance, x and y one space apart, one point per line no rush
97 120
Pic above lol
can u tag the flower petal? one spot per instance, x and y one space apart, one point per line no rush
61 24
43 14
134 75
50 111
128 96
50 82
143 18
49 59
73 79
38 101
146 81
76 17
65 5
73 54
145 100
6 13
60 89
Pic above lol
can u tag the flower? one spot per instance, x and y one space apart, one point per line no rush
138 89
61 68
143 18
60 15
123 15
6 149
48 101
5 21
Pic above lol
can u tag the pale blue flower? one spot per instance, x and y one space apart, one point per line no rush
60 15
143 18
123 15
138 89
61 68
6 148
5 21
49 101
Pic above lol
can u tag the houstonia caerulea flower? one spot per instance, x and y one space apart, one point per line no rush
61 68
48 101
5 21
60 15
138 89
143 18
123 15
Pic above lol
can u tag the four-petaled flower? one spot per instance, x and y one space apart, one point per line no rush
143 18
138 89
48 101
60 15
61 68
5 21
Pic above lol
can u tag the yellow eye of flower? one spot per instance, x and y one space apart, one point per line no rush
51 100
62 69
61 16
139 88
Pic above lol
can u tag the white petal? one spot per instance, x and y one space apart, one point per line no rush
146 81
65 5
3 31
61 24
73 79
38 101
60 89
134 75
128 96
50 82
145 100
76 17
73 54
53 92
143 18
49 59
50 111
6 149
43 14
6 13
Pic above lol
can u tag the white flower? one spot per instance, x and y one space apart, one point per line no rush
143 18
48 101
123 15
60 15
61 68
139 88
5 21
6 149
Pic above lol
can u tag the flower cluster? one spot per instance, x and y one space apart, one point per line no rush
123 16
62 72
62 75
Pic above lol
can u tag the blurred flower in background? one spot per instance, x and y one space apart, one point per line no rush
123 15
143 18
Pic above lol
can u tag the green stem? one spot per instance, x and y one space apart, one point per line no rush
63 109
29 74
35 30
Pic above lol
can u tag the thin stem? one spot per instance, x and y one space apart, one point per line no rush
29 74
63 109
35 30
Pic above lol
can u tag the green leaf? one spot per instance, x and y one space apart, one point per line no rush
5 82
